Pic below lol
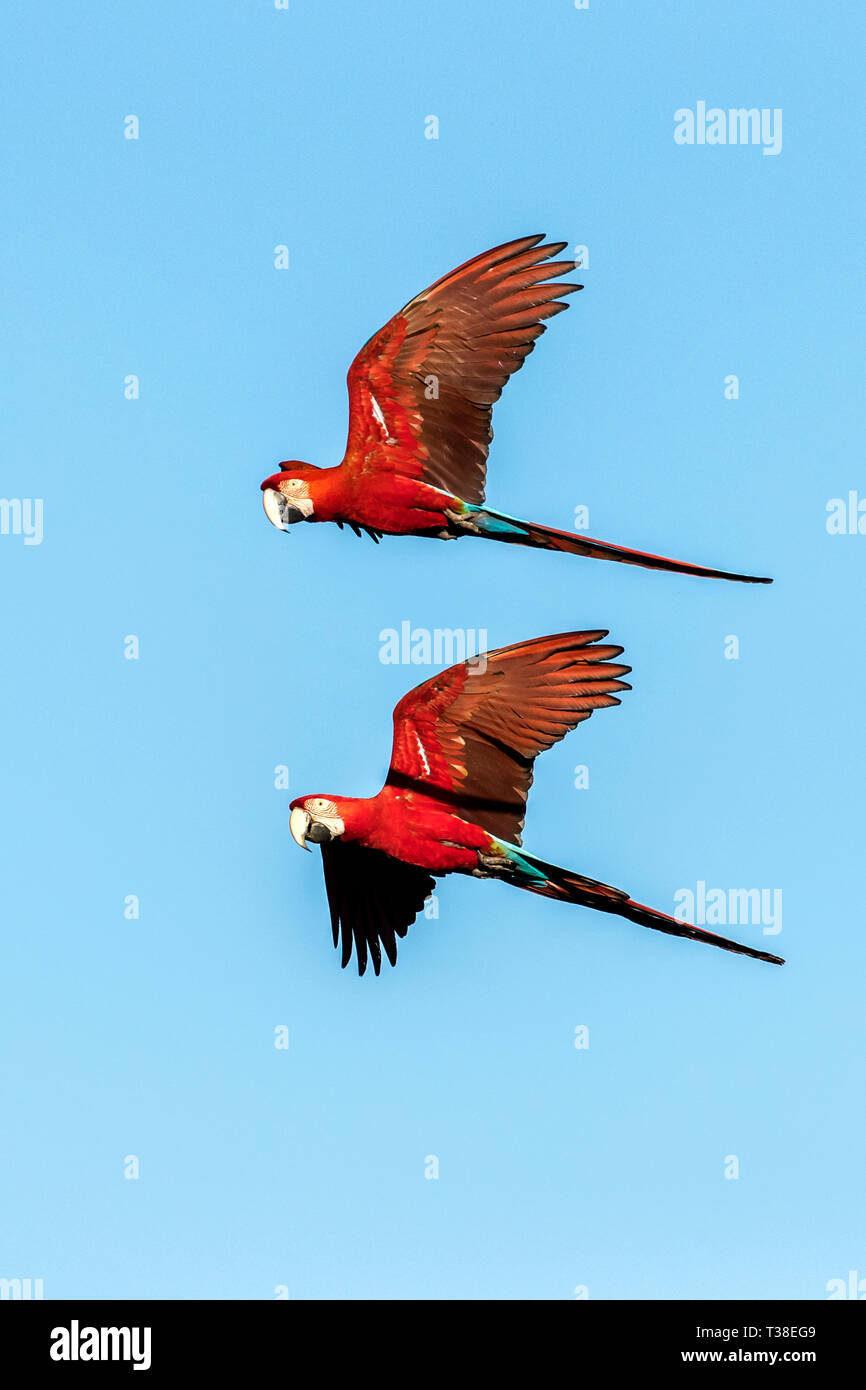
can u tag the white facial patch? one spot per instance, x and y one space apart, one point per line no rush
324 812
297 493
277 503
332 823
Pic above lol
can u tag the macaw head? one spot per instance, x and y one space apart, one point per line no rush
315 818
287 495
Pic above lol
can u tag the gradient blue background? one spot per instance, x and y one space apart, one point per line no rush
155 1037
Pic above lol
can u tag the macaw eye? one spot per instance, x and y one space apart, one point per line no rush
294 484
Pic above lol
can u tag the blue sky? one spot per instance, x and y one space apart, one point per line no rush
154 1037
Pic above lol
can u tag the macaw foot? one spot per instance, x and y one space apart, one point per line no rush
480 521
493 865
459 524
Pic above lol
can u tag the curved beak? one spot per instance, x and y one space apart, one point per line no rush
274 505
279 510
299 824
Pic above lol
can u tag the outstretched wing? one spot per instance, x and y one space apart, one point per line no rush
422 390
373 899
474 731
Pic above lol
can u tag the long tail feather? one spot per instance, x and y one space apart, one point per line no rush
497 526
526 871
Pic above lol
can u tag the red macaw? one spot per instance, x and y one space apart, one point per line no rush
455 796
421 396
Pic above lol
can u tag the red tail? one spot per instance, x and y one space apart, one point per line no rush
514 532
570 887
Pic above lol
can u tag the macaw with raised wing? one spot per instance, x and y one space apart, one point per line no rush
421 397
455 797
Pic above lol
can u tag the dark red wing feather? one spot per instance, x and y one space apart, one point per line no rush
473 733
422 390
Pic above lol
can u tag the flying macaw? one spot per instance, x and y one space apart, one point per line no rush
455 796
421 396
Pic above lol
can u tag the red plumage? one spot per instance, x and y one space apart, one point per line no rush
421 397
455 796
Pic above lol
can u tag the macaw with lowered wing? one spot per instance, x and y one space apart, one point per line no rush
455 797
